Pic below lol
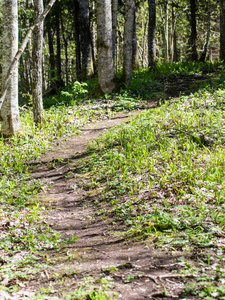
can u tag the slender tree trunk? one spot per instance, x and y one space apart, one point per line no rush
93 39
58 42
93 52
151 33
205 48
10 112
172 33
222 30
167 32
106 73
193 39
77 39
38 111
175 55
128 49
114 26
134 44
51 53
66 50
85 36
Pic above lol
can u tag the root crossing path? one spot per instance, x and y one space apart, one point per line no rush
101 257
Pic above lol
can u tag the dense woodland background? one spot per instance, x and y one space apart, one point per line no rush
70 38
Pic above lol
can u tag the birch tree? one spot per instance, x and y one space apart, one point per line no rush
10 120
128 40
106 73
38 111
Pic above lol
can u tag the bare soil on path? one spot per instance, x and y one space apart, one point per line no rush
135 268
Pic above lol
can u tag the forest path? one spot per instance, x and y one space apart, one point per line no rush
132 269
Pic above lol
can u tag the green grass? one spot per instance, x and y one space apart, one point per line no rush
163 175
21 211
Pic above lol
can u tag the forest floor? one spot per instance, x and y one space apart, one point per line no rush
130 269
96 258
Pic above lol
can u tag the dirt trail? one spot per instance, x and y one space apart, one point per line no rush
141 271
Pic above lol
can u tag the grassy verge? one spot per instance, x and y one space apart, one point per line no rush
163 176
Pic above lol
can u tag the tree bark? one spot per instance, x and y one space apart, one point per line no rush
151 33
106 73
167 32
85 36
38 112
66 50
128 49
77 38
10 119
51 53
134 44
205 48
93 38
222 30
193 39
58 43
114 27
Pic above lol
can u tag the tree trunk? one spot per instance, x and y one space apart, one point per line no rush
134 44
172 38
10 111
193 39
222 30
114 26
38 111
66 50
175 52
93 39
106 73
51 53
128 40
58 43
205 48
77 39
151 33
85 36
167 32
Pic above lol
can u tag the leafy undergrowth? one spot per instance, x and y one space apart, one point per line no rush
23 231
163 176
